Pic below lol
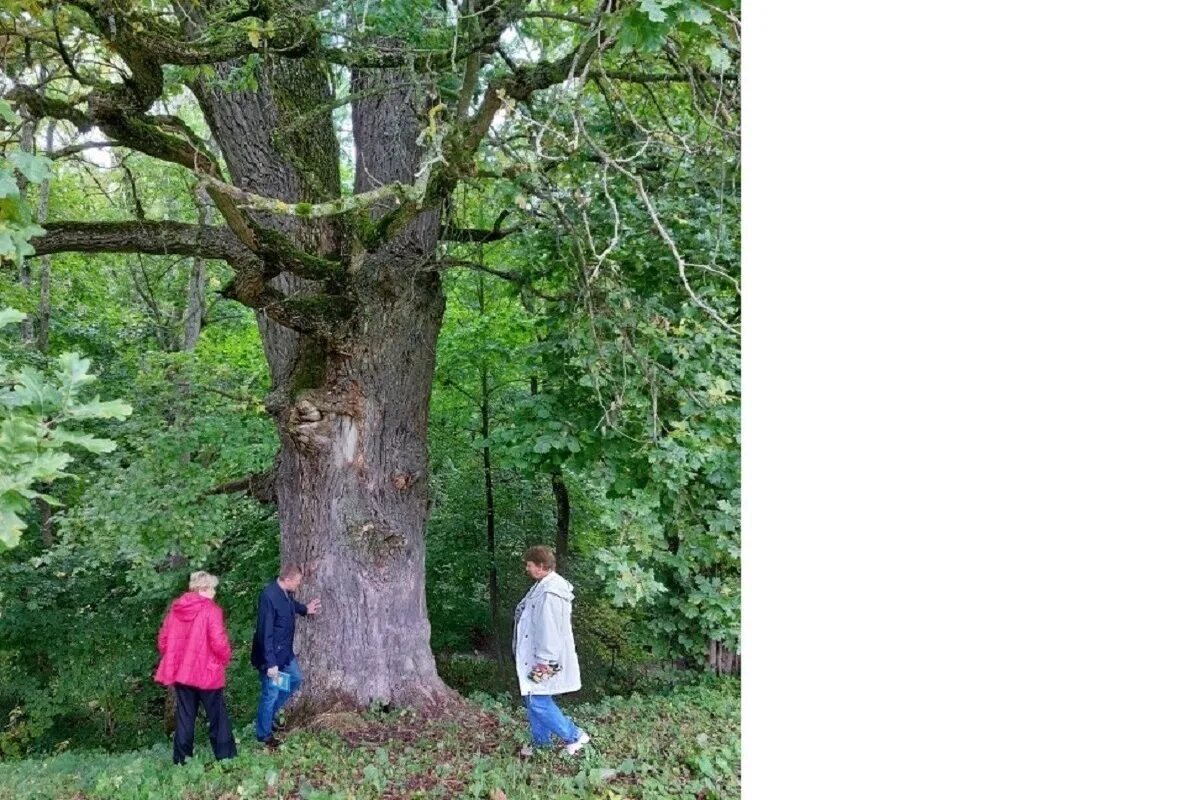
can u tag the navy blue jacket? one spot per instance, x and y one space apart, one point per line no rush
276 628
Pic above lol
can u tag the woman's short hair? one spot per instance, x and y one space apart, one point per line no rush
201 581
541 555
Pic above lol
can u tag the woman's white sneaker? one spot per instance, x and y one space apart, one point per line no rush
575 746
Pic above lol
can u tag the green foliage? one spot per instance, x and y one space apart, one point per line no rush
77 639
34 411
17 223
685 743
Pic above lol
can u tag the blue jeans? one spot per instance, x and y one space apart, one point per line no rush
273 698
545 718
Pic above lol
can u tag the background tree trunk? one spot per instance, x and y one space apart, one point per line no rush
562 517
489 497
41 322
489 494
24 273
194 315
562 506
722 660
43 213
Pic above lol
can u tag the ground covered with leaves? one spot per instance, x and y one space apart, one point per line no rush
686 743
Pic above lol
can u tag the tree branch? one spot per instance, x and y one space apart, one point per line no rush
646 77
318 314
152 237
72 149
457 159
154 136
259 485
402 192
475 235
508 275
552 15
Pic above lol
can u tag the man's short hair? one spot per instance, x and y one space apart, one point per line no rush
290 570
541 555
202 580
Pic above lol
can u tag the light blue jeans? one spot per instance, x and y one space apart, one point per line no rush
545 718
273 698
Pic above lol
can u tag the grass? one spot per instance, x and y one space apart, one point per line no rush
684 743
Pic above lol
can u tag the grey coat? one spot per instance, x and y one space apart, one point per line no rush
542 635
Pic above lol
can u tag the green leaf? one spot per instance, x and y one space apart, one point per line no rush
8 184
73 371
36 168
696 14
48 466
718 57
30 390
11 526
10 315
90 443
654 10
642 34
101 409
7 113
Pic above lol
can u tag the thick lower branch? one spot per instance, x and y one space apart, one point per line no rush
318 314
160 237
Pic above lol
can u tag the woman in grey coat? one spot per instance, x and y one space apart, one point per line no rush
545 652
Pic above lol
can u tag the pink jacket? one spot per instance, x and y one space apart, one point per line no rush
193 644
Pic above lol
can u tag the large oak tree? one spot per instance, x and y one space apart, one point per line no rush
343 274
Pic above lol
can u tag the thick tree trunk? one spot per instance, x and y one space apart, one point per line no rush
352 488
351 480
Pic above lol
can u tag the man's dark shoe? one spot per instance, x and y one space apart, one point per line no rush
271 742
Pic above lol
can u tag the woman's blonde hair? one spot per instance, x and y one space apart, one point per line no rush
202 580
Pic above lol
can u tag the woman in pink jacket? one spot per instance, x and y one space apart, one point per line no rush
195 651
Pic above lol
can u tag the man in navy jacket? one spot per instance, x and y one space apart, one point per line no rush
271 653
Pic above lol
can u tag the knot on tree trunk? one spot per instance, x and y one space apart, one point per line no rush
305 426
376 540
305 411
311 419
404 480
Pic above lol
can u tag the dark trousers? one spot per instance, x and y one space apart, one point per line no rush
220 730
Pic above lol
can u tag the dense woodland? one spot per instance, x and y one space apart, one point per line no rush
390 289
